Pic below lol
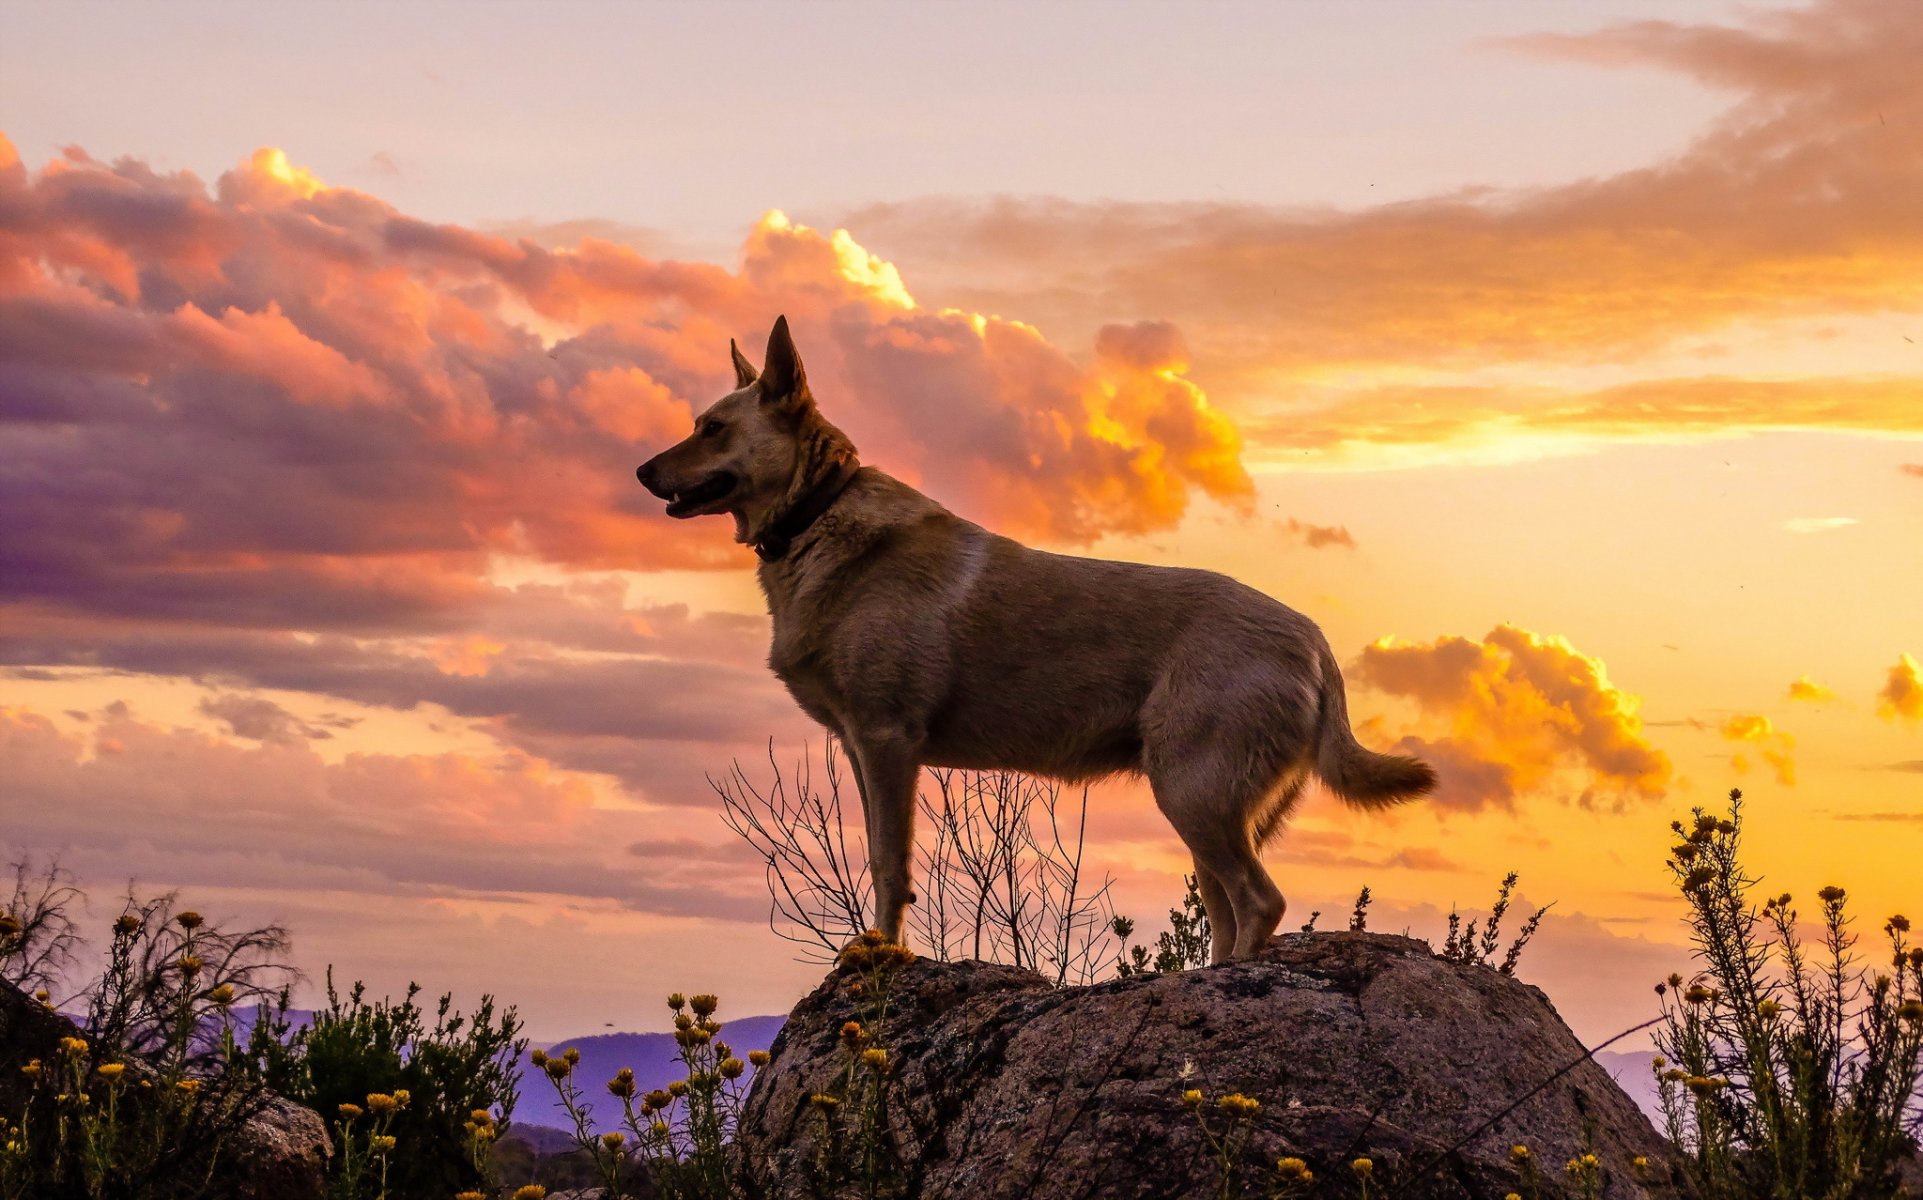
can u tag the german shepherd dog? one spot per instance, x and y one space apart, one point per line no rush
920 639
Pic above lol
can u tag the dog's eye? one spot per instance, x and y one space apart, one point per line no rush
712 428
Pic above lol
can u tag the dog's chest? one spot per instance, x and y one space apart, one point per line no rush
802 667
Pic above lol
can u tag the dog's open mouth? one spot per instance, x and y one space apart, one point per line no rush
702 496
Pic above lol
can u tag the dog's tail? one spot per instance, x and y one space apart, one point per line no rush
1360 776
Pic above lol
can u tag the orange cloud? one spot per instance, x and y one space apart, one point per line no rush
1771 743
1512 712
1804 688
1795 203
1318 536
391 403
1405 422
1902 696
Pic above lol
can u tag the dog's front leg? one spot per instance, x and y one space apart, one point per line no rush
890 767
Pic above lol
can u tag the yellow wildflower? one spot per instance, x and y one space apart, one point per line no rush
1519 1153
381 1104
677 1001
222 995
704 1004
74 1046
758 1057
532 1191
1294 1168
110 1071
1237 1105
731 1068
190 920
351 1112
874 1057
126 924
622 1084
1192 1097
381 1143
678 1088
614 1141
1832 895
1363 1167
823 1101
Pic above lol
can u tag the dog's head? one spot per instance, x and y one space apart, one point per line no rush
755 450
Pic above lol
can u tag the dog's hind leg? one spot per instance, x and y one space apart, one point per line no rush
889 768
1221 913
1214 822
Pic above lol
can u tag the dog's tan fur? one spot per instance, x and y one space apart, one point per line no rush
921 639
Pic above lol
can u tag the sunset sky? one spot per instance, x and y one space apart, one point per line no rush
1563 360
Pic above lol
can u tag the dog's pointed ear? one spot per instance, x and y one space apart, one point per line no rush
783 383
744 371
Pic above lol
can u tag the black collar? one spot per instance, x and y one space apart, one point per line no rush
773 545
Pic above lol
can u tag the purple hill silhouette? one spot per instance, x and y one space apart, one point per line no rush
651 1055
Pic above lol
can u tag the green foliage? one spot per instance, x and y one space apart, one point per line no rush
146 1104
1359 917
1185 945
1464 945
451 1067
1786 1072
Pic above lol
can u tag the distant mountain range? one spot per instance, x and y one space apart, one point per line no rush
1631 1069
650 1055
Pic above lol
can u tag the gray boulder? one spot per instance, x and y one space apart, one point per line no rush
1356 1045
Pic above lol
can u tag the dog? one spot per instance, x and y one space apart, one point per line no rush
921 639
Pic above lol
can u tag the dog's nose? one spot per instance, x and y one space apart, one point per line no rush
645 473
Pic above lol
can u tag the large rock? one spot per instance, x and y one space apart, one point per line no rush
279 1153
1356 1044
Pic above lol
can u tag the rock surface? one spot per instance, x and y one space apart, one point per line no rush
1356 1044
280 1153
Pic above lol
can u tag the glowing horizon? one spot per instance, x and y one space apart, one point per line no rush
327 595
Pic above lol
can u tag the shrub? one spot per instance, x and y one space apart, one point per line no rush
1786 1071
452 1068
1464 945
1184 945
145 1104
998 856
